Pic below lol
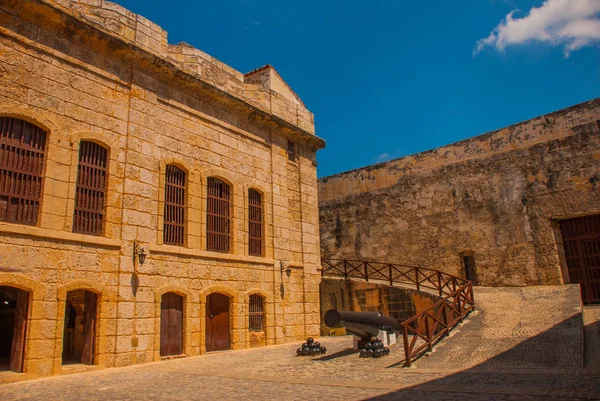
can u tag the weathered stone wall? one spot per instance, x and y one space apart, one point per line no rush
498 196
91 70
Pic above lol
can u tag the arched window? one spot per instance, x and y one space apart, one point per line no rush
218 220
257 313
90 195
255 223
22 151
174 227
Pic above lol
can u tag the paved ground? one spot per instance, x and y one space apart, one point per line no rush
591 320
526 327
521 345
275 373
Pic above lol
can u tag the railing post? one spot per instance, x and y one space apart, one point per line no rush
458 304
471 294
439 277
407 360
345 269
445 315
428 330
391 275
366 272
417 278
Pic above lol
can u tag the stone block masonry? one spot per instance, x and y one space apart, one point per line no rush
93 71
489 206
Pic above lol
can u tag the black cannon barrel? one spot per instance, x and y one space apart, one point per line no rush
362 324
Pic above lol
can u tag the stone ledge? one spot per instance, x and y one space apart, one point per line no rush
198 253
8 377
77 368
7 228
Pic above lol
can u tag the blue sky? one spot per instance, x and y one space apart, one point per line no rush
390 78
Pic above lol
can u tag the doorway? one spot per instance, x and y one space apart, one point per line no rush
467 263
80 327
217 322
171 324
581 240
13 324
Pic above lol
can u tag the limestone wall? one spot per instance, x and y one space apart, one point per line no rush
498 196
91 70
129 27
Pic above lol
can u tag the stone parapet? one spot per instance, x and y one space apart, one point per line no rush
560 124
128 30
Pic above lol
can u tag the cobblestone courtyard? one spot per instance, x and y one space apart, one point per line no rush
275 373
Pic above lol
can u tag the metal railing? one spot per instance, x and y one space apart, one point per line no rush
430 325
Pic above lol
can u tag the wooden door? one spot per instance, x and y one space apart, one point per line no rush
217 322
171 324
89 328
17 351
581 238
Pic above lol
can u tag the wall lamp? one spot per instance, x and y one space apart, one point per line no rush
139 252
288 271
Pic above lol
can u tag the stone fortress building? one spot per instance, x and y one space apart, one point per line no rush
514 207
154 202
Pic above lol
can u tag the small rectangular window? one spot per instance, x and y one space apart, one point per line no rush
22 151
218 220
174 214
90 195
257 313
255 224
291 151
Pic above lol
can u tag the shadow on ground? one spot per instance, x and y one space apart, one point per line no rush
527 371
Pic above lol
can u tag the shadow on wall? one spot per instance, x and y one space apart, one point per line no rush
508 370
359 296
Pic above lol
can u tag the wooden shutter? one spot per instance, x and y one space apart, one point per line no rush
255 223
174 218
22 151
217 322
17 353
89 328
90 196
218 225
256 313
171 324
581 240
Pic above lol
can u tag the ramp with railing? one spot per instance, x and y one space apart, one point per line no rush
422 331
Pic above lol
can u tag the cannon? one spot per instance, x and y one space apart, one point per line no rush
362 324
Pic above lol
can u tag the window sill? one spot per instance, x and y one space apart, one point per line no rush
7 228
198 253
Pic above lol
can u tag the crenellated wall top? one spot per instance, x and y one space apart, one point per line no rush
262 88
552 126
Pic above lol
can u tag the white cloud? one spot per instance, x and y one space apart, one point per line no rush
255 23
383 157
572 24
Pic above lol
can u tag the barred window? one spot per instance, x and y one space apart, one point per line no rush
257 313
22 151
90 195
255 223
218 224
174 216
